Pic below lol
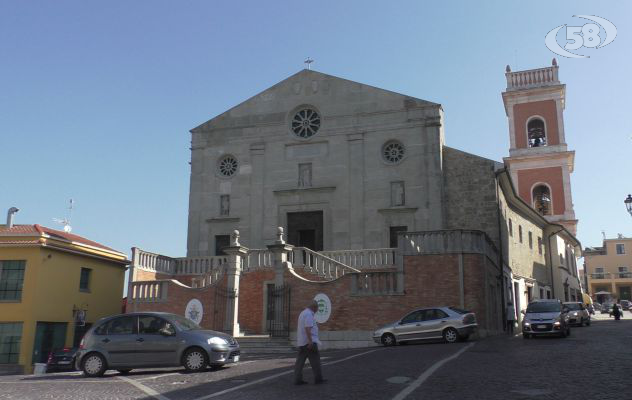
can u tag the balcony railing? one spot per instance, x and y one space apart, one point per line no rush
446 242
532 78
600 275
364 259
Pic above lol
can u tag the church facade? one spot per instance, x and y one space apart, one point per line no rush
340 164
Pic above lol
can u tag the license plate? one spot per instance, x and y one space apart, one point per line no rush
64 362
541 326
235 358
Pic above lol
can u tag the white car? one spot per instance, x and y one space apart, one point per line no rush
577 314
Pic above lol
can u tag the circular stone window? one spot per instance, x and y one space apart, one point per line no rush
227 166
393 152
306 123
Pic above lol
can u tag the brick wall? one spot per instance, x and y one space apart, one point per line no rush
430 280
251 300
177 299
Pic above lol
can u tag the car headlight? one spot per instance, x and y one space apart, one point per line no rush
217 340
557 323
526 323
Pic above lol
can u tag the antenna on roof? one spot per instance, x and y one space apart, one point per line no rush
66 221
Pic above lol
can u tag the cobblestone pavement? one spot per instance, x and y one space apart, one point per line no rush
500 367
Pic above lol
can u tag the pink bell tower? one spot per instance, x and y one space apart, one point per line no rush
539 162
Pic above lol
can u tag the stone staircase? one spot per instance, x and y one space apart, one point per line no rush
264 344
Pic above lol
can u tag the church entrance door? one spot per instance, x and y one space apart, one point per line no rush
305 229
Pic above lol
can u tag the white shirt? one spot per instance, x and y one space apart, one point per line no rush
306 320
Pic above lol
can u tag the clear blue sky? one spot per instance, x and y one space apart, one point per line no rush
96 98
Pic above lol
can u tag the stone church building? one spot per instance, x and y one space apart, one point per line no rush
324 186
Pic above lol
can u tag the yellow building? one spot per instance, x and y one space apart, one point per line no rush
609 269
53 286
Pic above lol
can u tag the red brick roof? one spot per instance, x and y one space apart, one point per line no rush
39 230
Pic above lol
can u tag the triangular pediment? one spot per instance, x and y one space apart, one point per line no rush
330 94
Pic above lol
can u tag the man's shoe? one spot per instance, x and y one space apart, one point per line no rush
300 383
320 382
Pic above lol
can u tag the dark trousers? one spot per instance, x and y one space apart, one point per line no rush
314 360
510 326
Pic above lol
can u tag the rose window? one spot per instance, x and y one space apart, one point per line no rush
393 152
227 166
306 123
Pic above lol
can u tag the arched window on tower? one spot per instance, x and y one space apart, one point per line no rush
542 199
536 133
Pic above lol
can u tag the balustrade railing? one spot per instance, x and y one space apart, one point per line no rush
176 266
532 78
199 265
363 259
446 242
319 264
374 283
148 291
258 258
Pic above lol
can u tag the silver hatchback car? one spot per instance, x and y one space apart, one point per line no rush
150 340
448 323
577 314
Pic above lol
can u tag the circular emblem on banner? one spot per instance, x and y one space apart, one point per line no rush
324 308
194 311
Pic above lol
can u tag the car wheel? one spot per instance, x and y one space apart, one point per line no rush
93 365
388 339
526 336
450 335
194 360
123 371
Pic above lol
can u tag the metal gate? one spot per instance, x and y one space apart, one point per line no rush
223 309
279 311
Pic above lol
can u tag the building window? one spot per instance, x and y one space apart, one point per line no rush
227 166
562 259
539 245
306 123
398 195
224 205
536 132
620 248
541 293
520 233
542 199
393 152
548 294
530 240
393 234
623 272
305 175
599 273
84 281
11 279
10 338
510 227
530 293
221 241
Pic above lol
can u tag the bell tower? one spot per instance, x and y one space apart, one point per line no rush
539 161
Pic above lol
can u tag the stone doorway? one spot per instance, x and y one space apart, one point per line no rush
305 229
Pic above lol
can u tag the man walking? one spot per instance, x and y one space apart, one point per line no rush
511 318
307 343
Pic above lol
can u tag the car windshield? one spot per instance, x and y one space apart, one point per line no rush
572 306
544 307
184 324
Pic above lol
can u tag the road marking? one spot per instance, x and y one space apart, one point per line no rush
147 390
427 373
268 378
159 376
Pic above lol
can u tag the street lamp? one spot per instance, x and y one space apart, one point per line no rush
628 203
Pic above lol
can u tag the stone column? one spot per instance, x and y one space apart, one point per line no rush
281 252
236 254
257 157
